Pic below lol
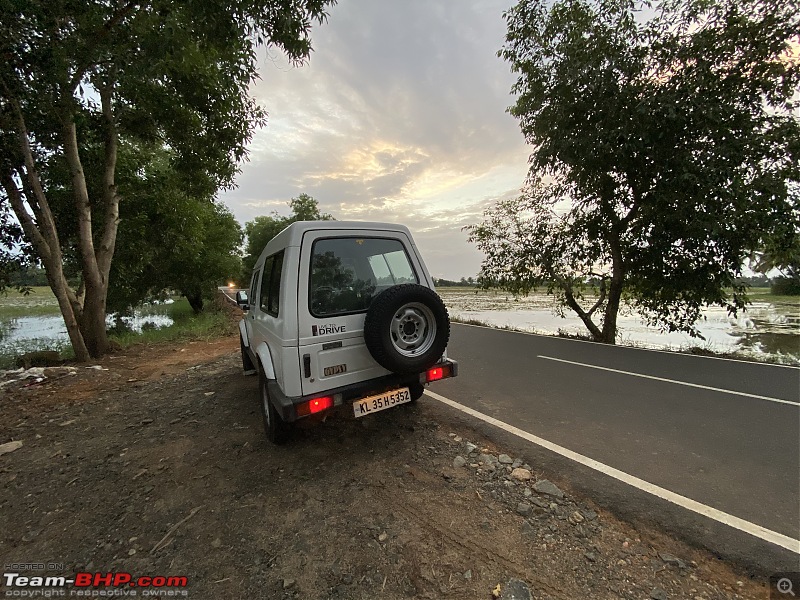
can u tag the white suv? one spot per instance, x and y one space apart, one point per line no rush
341 313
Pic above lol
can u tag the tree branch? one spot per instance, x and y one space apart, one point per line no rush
600 300
584 316
105 252
37 199
26 220
85 240
103 33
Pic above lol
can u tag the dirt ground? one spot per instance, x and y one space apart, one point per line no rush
159 466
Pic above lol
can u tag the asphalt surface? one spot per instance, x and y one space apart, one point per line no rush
735 453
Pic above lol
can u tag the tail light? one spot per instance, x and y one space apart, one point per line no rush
314 406
436 373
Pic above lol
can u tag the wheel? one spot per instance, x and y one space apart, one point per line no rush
407 328
247 363
275 427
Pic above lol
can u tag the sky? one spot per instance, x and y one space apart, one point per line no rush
400 116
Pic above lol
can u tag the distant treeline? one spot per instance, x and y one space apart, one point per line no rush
784 286
464 281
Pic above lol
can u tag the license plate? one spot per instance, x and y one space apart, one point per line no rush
373 404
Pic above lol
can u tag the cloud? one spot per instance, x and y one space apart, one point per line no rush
399 116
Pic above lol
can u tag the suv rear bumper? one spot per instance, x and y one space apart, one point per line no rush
286 405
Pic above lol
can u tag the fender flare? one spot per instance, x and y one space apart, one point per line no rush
265 360
243 334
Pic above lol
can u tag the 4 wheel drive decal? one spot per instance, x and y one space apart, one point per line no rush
327 329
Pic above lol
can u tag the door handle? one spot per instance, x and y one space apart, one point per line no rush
307 365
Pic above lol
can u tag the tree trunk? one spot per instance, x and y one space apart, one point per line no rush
195 299
609 333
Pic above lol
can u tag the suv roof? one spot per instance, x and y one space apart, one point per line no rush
293 234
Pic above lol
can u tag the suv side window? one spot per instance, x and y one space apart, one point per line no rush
348 272
264 299
275 285
271 284
253 287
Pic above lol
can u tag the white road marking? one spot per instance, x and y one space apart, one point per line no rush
758 531
675 381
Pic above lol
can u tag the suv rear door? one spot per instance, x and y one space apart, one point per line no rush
340 272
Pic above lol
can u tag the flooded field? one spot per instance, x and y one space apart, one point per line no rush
33 322
766 328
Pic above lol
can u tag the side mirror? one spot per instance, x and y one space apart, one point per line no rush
242 300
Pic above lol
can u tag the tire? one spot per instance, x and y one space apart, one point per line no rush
407 328
416 390
275 427
247 363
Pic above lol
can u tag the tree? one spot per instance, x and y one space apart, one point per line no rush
263 228
664 152
101 72
172 241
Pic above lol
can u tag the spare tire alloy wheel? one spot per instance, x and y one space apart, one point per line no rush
407 328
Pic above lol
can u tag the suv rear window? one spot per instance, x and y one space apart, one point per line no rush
347 273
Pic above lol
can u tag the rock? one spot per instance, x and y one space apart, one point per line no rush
576 518
132 551
468 574
658 594
383 537
487 459
59 371
524 509
288 583
546 487
207 394
10 447
540 503
515 589
216 543
521 474
458 462
505 459
589 514
517 463
527 528
590 556
457 438
65 423
672 560
470 447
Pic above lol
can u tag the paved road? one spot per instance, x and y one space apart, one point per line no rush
739 453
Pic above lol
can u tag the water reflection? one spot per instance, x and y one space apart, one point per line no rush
50 331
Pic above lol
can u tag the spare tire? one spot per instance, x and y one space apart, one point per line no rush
407 328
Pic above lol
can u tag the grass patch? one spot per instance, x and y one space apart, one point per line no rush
210 324
39 303
765 295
